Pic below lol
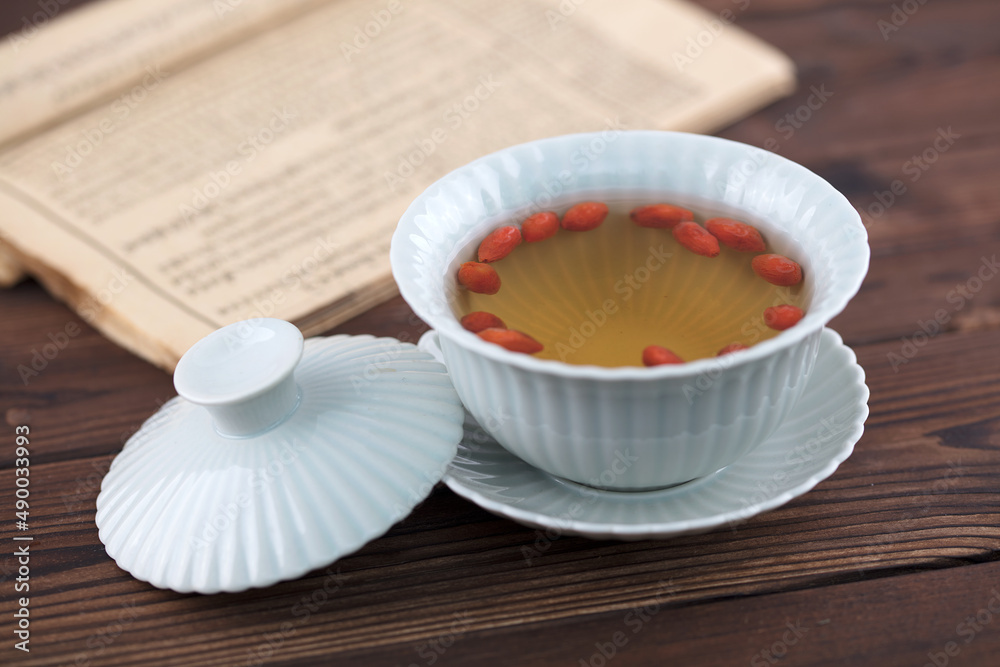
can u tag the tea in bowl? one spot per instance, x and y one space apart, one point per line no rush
585 408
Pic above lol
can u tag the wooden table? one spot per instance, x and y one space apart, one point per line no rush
891 561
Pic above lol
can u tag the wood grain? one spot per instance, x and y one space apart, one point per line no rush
920 492
882 564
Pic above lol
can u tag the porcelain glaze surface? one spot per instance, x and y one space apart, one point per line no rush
807 448
684 421
190 506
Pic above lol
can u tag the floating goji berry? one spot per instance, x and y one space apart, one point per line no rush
663 216
735 234
480 319
515 341
732 347
656 355
696 238
499 243
777 270
479 278
584 216
539 227
782 317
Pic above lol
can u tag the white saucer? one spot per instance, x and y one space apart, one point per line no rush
818 436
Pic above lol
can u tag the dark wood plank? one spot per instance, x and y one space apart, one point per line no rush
920 492
796 628
917 294
905 535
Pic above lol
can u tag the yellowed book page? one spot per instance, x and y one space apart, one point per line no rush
267 181
10 270
60 61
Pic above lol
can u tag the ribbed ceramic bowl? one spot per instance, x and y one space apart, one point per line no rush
630 428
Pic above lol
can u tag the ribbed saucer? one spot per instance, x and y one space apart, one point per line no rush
817 437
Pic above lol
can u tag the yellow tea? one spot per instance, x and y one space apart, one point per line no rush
604 295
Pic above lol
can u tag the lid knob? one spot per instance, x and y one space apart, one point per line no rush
243 375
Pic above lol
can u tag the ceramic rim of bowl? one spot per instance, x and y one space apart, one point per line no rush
445 322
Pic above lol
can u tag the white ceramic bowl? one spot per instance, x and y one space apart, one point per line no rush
631 428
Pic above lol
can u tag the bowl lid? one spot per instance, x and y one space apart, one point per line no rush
279 456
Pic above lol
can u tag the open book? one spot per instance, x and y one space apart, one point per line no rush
170 166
